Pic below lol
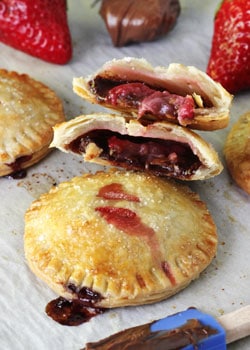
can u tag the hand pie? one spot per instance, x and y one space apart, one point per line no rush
180 94
237 152
161 148
129 238
28 110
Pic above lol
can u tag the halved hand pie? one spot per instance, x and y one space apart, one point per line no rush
237 152
119 238
180 94
161 148
28 110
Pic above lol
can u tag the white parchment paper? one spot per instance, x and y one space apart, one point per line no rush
222 288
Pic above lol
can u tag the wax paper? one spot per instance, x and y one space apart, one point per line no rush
223 287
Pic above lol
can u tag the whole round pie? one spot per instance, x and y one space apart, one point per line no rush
129 238
28 111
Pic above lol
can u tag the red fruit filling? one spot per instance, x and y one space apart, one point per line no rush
146 100
162 157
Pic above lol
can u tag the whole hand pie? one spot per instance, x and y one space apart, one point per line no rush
161 148
179 94
237 152
119 238
28 110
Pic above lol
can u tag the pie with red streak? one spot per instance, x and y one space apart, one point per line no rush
129 238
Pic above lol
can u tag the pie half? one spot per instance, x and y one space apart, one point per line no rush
132 238
179 94
161 148
28 110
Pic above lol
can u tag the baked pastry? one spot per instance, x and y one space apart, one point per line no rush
177 93
237 152
119 238
28 110
161 148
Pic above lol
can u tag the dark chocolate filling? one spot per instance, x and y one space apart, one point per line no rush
17 171
142 338
162 157
76 311
100 86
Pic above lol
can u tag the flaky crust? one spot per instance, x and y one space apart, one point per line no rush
174 242
176 78
28 110
66 132
237 152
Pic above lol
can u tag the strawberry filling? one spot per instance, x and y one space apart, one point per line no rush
169 156
163 103
162 157
150 101
146 100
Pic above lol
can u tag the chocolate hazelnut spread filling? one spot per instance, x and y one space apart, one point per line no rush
17 171
75 311
161 157
143 338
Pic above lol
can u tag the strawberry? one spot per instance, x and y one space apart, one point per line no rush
229 61
37 27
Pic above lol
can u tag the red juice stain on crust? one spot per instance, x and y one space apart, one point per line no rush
129 222
167 270
115 191
125 220
140 281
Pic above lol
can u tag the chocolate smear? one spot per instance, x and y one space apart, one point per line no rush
133 21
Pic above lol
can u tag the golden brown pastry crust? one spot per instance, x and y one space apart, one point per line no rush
67 132
131 237
237 152
28 110
214 102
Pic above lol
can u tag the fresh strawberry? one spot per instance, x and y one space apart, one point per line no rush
37 27
229 61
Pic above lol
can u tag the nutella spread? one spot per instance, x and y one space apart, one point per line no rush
76 311
17 171
134 21
143 338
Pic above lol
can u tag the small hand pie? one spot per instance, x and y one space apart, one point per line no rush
161 148
28 110
131 238
180 94
237 152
